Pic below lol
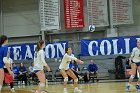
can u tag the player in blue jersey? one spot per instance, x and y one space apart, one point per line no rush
3 54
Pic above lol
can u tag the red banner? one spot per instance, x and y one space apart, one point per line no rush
73 13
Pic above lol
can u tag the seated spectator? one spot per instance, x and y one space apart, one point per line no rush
22 74
15 70
85 74
32 74
92 69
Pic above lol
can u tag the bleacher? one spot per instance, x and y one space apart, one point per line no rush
55 76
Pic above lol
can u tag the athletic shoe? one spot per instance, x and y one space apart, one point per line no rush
77 90
23 83
138 87
65 91
18 82
127 87
36 91
13 90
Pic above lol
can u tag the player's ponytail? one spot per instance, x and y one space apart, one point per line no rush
3 38
39 45
66 50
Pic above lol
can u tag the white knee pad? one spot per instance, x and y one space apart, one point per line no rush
132 76
41 85
66 79
76 80
0 87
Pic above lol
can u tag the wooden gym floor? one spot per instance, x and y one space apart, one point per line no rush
112 87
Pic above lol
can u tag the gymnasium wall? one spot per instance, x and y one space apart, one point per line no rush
0 17
21 18
133 29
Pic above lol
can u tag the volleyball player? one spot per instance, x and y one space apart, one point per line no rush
39 63
65 71
8 78
135 65
3 54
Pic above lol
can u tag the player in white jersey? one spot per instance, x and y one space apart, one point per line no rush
8 77
65 71
135 65
39 63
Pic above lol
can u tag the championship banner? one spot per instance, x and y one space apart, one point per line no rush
26 51
74 13
97 12
121 12
108 46
49 14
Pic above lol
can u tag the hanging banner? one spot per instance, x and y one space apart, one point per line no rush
73 13
50 14
121 12
26 51
108 46
97 13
